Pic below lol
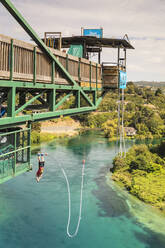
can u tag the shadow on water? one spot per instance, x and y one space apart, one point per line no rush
112 205
82 145
153 240
109 203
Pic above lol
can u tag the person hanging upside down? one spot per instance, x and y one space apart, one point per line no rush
41 164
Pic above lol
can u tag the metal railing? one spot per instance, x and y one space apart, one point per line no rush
22 61
14 152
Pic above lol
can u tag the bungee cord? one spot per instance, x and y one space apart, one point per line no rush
120 128
69 201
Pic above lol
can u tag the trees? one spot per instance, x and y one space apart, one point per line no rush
110 128
158 92
142 172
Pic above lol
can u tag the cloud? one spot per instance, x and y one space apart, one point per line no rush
142 20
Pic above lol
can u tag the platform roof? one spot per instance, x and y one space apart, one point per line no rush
96 42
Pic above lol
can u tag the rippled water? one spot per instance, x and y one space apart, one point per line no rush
34 215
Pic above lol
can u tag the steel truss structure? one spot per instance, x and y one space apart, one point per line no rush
10 89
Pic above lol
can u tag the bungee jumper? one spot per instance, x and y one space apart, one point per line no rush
41 164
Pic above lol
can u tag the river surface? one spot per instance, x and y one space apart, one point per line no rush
34 215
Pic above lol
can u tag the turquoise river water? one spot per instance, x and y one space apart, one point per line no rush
34 215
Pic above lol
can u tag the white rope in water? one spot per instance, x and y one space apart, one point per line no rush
69 202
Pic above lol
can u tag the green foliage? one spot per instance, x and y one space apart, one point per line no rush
144 110
158 92
131 106
142 172
159 149
36 126
95 120
118 163
108 104
110 128
35 137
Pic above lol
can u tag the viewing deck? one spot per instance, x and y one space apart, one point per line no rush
29 64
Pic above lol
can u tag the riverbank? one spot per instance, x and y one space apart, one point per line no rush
54 129
63 126
142 173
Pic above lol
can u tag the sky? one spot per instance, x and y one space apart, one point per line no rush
142 20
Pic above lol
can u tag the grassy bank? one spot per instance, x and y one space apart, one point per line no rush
37 138
142 173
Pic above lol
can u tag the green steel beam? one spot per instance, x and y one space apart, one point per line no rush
16 131
53 72
11 102
62 101
22 84
15 150
95 97
28 103
64 112
25 85
100 99
52 100
89 101
43 116
78 104
19 18
39 99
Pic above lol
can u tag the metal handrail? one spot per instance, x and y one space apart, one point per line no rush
17 150
13 132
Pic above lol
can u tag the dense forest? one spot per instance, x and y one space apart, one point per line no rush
144 111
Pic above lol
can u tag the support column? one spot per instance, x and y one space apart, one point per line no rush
78 99
53 72
95 97
11 102
52 100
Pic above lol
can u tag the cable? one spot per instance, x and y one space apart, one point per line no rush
69 201
122 123
120 128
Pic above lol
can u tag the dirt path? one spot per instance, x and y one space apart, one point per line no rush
65 126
